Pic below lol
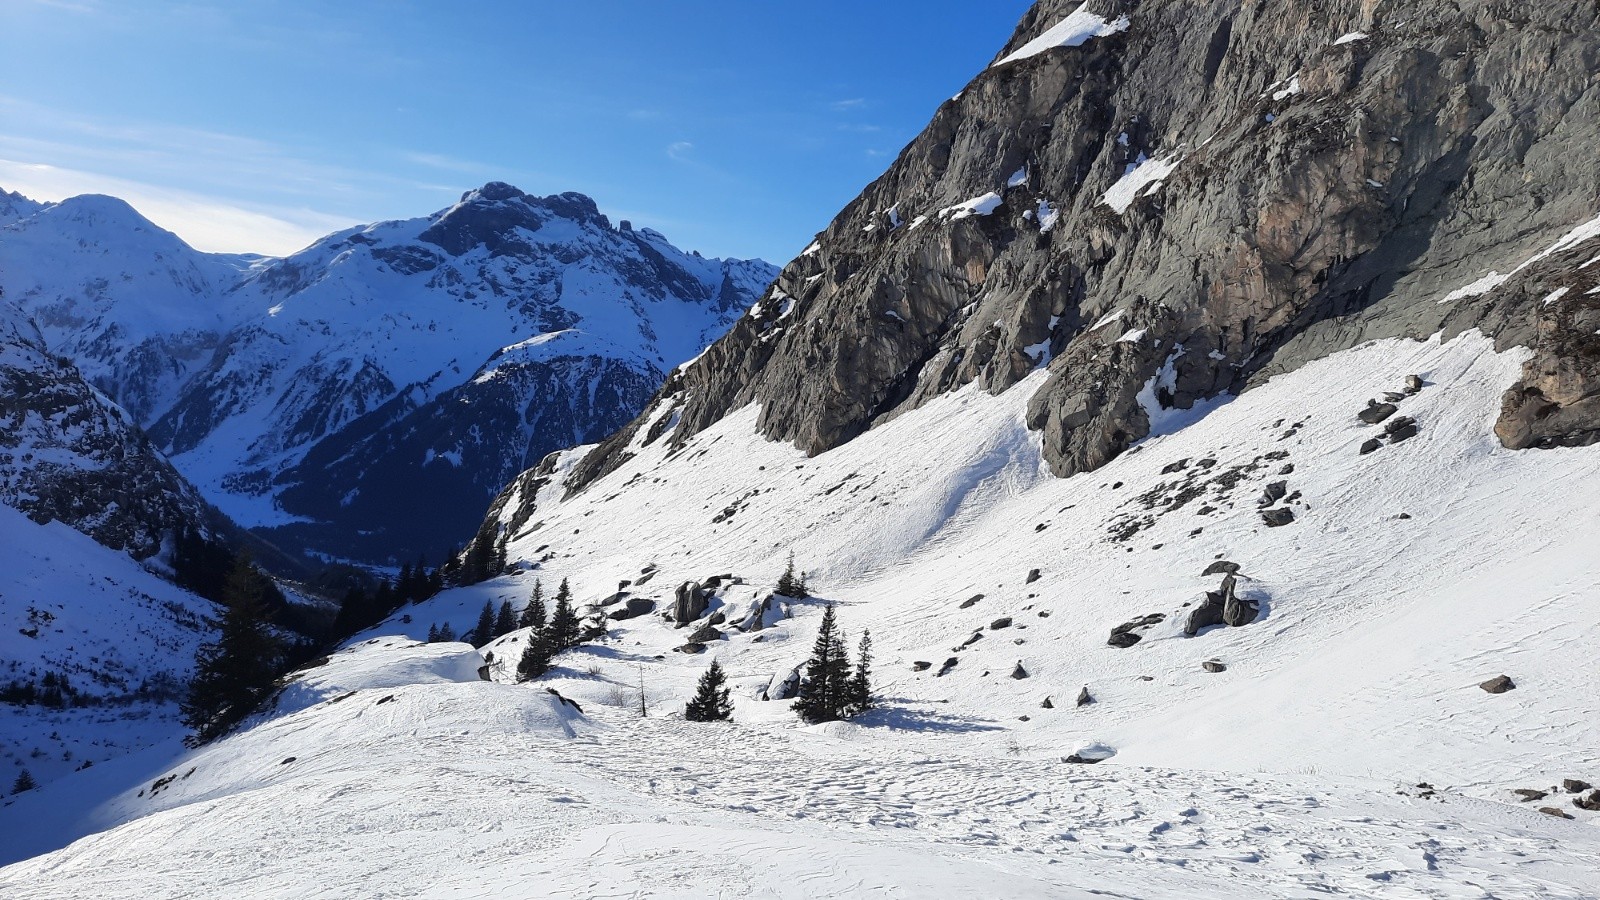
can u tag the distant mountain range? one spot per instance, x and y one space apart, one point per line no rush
366 397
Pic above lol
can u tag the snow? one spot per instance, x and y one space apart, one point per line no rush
1580 233
1477 288
1351 38
978 206
1018 178
1289 90
1075 30
1141 178
1048 216
1293 773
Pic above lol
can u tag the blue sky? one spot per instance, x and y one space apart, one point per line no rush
736 127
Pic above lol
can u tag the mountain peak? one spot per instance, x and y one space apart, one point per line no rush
494 192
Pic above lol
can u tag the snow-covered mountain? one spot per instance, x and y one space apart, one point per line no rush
1201 415
323 398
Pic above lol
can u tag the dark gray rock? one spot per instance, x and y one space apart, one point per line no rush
1207 614
921 665
1590 803
1498 684
705 634
1275 491
1552 811
690 603
1413 384
633 608
949 664
1002 622
1084 697
1369 445
1528 795
1047 704
691 648
1033 575
970 601
1213 666
1222 567
1377 412
1236 610
1403 433
1575 786
1127 634
1277 518
1019 672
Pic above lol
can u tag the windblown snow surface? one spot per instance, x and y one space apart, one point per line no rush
1346 750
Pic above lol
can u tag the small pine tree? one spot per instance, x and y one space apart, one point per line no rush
711 701
433 634
446 633
564 622
536 656
505 621
860 688
533 615
788 585
483 633
24 782
824 693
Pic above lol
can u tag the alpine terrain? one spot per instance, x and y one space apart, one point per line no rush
365 397
1176 476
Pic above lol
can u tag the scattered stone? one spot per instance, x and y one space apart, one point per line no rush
1552 811
1413 384
691 603
1370 445
1590 803
705 634
1147 678
634 606
1403 433
1221 567
1274 492
1002 622
289 760
1276 518
717 618
970 601
1022 718
1019 672
1044 613
1288 469
1498 684
1376 412
921 665
1393 396
1125 635
1091 753
1529 795
1574 786
1212 665
1033 575
1236 611
976 637
1084 697
1206 614
691 647
1403 516
1047 704
1178 466
948 665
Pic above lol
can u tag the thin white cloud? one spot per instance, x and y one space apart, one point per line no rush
679 150
207 223
447 163
847 105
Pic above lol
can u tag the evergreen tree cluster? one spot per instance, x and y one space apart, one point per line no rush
548 637
362 610
485 556
205 565
24 782
237 671
833 688
53 691
792 585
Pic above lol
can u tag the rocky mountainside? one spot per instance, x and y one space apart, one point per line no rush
1181 199
67 454
367 396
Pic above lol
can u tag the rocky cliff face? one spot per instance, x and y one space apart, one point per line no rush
367 396
67 454
1165 200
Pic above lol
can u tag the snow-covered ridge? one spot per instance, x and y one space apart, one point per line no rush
1075 30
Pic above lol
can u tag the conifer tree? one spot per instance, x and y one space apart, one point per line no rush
563 621
484 632
234 673
446 633
24 782
505 621
711 701
536 656
533 614
788 585
860 687
433 633
824 693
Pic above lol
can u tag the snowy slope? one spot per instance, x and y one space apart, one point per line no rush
301 393
124 637
1345 749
